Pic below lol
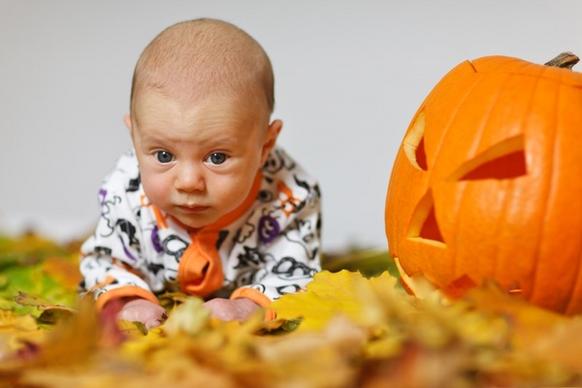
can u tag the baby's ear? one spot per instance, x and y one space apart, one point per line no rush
127 121
271 138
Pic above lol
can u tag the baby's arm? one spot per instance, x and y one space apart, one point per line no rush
107 279
112 264
119 292
289 260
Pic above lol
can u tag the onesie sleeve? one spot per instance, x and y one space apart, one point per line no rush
288 234
111 262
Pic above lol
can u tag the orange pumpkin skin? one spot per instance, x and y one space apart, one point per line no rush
488 182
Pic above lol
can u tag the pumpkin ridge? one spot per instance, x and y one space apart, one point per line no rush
449 124
472 154
551 162
487 116
504 202
459 259
446 132
561 304
575 290
498 229
522 130
464 185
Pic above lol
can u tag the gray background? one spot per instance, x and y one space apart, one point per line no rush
349 76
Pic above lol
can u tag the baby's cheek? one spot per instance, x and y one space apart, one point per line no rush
157 189
232 191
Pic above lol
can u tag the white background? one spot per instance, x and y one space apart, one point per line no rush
349 76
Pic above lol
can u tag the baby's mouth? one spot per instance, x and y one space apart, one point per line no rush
192 209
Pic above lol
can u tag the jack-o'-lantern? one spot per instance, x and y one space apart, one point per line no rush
487 183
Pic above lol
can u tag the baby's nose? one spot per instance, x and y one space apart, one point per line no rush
190 178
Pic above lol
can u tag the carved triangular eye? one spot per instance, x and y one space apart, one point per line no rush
504 160
413 143
421 155
424 224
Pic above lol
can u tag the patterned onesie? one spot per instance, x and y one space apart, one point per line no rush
267 247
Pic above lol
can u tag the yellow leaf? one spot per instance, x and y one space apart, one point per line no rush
16 330
561 343
138 347
188 318
528 321
330 294
73 340
329 358
10 321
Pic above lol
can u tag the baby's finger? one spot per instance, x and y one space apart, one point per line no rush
152 323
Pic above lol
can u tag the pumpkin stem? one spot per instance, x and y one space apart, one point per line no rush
564 60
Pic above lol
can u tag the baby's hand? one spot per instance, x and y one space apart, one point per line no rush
231 309
144 311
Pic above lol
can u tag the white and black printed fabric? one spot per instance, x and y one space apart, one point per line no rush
272 246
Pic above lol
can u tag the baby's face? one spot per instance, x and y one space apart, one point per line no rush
198 161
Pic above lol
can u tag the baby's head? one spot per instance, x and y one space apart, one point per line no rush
201 101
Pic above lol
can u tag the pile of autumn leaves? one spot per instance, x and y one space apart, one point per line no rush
345 330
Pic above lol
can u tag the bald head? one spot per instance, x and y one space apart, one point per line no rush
197 58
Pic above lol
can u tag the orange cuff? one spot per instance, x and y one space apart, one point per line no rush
257 297
125 291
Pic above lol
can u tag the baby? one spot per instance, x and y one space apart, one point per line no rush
204 203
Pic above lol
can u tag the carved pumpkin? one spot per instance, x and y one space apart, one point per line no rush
488 181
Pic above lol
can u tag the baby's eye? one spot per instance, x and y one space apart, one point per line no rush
217 158
164 156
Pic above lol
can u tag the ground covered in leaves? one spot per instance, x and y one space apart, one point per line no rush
347 329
